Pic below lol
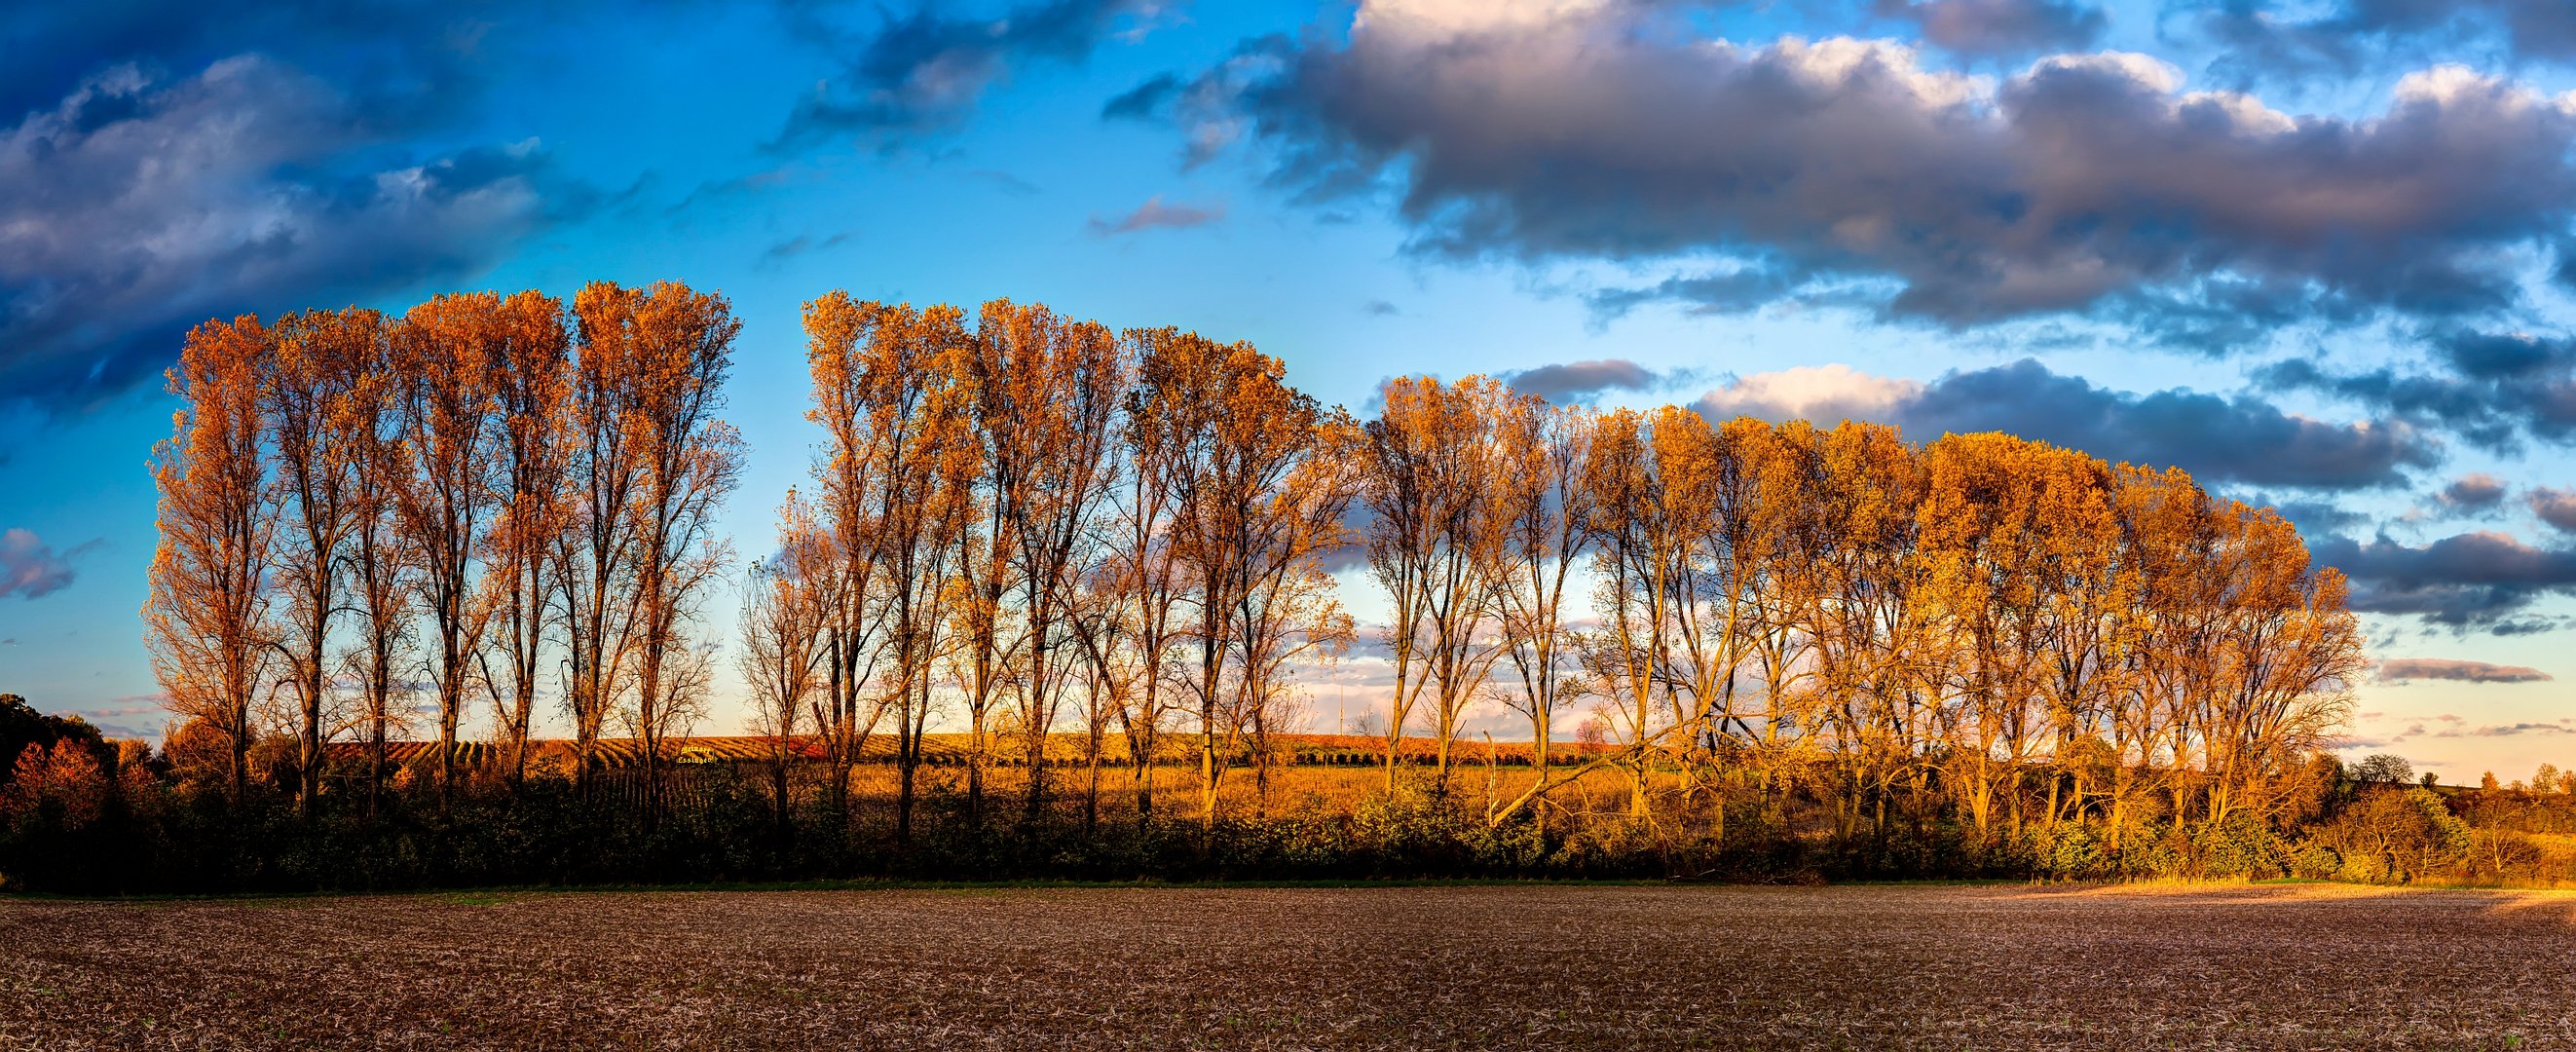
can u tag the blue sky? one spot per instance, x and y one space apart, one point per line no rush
2313 251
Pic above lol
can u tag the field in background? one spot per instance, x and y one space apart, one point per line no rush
1309 773
1001 750
1528 966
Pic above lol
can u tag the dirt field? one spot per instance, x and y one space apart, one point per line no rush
1441 967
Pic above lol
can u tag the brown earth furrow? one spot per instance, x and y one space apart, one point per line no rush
1560 966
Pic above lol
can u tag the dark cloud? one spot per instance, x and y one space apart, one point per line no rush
31 569
2554 506
799 245
1154 215
2001 27
2268 38
1352 554
406 62
731 189
2480 580
2476 491
926 71
2495 390
1144 101
1584 381
1380 309
2404 670
2240 439
1734 291
138 205
2085 183
2312 517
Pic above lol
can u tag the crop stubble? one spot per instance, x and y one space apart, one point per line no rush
1463 967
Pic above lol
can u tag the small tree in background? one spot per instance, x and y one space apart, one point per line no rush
2386 769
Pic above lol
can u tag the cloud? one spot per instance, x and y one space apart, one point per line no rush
927 70
2468 580
1541 131
1143 101
2273 38
1154 214
2219 439
2495 390
2557 507
1738 290
2000 27
2509 730
2476 491
2310 516
1583 381
30 569
2407 670
408 62
1821 393
129 705
112 716
137 205
801 244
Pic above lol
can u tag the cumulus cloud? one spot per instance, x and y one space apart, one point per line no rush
2554 506
1154 214
1602 130
2408 670
1821 393
1585 380
2001 27
2220 439
2476 491
30 568
927 70
139 204
2469 580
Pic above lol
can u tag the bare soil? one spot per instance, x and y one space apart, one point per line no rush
1560 966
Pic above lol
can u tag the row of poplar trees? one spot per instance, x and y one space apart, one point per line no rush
1038 524
481 500
1022 524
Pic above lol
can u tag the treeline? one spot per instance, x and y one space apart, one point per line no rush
1022 526
1041 518
477 501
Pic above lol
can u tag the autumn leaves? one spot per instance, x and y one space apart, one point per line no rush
1040 524
1020 525
1037 515
456 503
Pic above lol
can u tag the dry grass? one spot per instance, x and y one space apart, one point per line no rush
1443 967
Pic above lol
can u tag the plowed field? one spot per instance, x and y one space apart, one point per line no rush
1394 967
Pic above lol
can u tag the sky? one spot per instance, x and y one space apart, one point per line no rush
2318 253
